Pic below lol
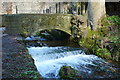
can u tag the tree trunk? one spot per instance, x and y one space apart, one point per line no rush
96 11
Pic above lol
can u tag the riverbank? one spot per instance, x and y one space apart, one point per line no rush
16 62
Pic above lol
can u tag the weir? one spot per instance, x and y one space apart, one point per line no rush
49 60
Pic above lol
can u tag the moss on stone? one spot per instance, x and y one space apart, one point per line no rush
103 42
90 39
67 72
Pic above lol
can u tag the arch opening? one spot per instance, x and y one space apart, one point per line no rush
53 34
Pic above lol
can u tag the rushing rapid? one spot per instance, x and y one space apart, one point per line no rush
49 60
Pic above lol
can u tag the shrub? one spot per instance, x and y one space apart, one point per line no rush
114 19
103 52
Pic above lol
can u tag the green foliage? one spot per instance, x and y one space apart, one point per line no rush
109 20
103 52
29 74
114 19
115 45
114 39
102 31
105 22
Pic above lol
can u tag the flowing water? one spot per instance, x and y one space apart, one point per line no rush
49 60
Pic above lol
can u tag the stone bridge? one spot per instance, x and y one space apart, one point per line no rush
28 24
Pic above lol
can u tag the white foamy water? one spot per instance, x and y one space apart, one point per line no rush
49 60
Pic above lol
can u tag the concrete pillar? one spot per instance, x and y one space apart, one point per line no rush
47 10
44 12
62 7
56 8
79 10
16 9
59 7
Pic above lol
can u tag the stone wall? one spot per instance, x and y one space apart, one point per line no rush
31 23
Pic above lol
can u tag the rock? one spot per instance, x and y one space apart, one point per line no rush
67 72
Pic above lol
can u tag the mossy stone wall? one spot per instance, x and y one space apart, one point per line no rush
27 24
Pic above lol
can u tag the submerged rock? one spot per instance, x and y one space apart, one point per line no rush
67 72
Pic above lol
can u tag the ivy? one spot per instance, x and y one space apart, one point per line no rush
114 19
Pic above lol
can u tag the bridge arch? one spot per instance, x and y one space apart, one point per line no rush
61 29
53 34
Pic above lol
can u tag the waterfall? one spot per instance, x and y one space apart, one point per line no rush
49 60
